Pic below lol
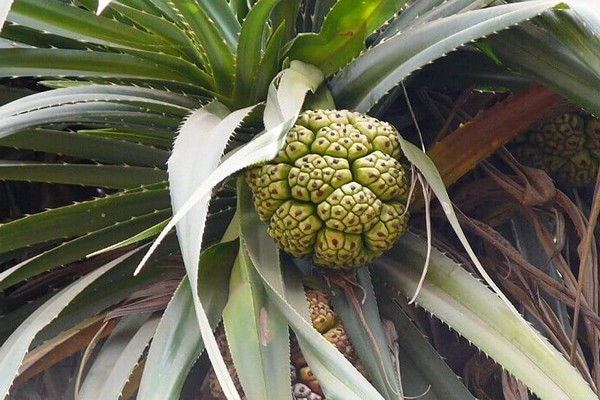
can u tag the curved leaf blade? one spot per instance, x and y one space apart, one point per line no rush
337 376
373 353
464 303
178 343
67 221
75 23
84 144
257 335
186 172
113 365
370 76
343 34
422 368
107 176
250 49
16 346
90 64
289 98
4 9
535 54
78 248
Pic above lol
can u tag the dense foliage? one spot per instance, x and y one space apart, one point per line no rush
129 233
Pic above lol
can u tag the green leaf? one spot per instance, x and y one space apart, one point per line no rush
4 9
257 335
338 378
577 29
221 13
75 23
188 170
269 64
67 221
206 31
283 15
373 353
163 28
60 62
84 144
14 349
178 343
76 249
250 50
72 22
108 176
464 303
152 99
421 367
343 34
281 111
371 75
469 67
132 239
116 360
100 113
540 56
421 12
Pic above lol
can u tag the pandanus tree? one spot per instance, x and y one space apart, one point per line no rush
217 186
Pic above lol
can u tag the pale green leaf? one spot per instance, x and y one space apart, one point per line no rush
14 349
76 249
190 193
196 154
426 166
102 4
373 352
108 176
421 366
4 9
257 335
337 376
112 366
370 76
178 342
468 306
262 148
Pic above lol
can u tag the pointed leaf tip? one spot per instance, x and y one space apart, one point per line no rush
102 4
4 9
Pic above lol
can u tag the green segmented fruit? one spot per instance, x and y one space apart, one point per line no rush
336 191
566 146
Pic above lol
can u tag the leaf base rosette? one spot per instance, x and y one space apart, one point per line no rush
336 191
